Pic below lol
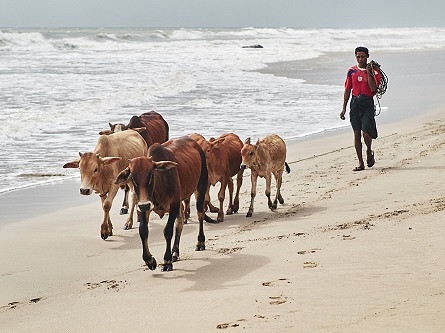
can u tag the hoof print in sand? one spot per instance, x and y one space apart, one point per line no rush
310 264
308 251
13 305
274 283
227 325
109 284
277 300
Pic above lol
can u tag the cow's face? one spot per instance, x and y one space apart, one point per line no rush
90 166
249 155
117 127
140 172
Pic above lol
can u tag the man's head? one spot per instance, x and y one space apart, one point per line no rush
362 49
361 54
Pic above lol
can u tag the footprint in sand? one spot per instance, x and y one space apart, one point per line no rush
310 264
109 284
274 283
13 305
308 251
277 300
232 324
348 237
226 250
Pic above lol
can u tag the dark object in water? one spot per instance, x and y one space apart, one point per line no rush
256 46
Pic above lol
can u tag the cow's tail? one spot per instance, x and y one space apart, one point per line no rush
202 184
287 167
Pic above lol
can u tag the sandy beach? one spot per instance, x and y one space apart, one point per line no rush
347 252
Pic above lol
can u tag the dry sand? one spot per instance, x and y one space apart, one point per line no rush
347 252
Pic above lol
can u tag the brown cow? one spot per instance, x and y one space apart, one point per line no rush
223 157
171 173
156 131
99 169
266 157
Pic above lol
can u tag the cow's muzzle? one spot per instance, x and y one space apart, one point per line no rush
85 191
243 166
144 207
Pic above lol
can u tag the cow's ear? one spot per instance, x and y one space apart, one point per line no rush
165 165
216 144
71 165
139 129
247 142
123 176
111 126
257 143
110 160
106 132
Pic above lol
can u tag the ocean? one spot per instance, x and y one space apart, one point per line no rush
60 87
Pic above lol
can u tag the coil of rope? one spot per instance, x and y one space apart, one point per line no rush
381 89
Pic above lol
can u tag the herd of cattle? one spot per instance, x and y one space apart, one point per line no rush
162 174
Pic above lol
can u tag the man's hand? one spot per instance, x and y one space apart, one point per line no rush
342 114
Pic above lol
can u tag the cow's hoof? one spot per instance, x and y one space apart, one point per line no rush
124 211
151 264
128 226
249 214
167 267
105 236
175 258
281 200
200 247
229 211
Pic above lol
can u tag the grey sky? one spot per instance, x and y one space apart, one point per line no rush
221 13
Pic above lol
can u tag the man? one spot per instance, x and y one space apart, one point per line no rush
362 81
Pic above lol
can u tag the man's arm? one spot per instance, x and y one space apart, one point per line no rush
346 96
371 80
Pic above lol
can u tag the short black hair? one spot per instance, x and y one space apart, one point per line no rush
362 49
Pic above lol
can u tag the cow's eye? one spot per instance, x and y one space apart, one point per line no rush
95 169
251 153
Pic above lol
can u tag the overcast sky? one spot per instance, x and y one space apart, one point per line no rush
222 13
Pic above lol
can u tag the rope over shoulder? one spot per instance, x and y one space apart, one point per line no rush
382 87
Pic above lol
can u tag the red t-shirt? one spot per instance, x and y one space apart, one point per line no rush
357 81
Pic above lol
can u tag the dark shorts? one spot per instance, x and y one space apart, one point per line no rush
362 115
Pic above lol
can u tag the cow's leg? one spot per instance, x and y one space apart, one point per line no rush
200 246
208 204
106 228
253 178
268 183
279 179
179 226
168 235
239 182
230 187
129 224
149 260
186 210
221 196
124 209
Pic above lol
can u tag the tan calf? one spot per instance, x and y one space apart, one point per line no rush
266 157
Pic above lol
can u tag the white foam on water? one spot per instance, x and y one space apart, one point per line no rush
61 87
